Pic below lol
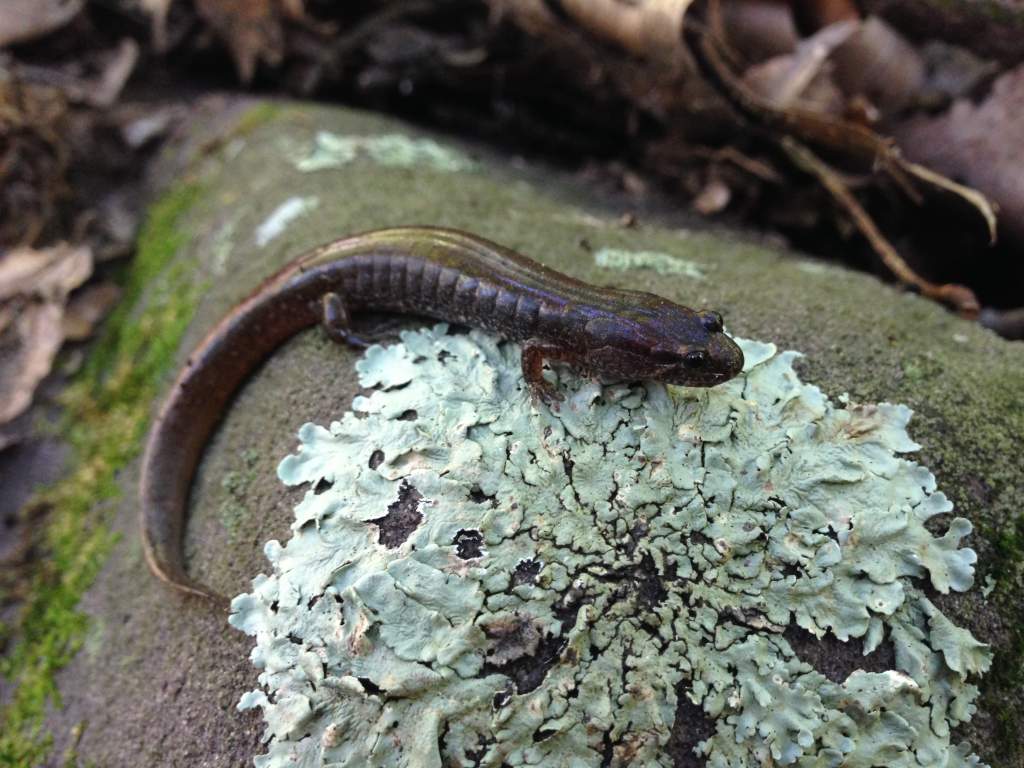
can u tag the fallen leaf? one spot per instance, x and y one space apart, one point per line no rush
157 9
879 63
86 308
951 72
713 198
821 13
978 144
760 30
117 70
858 143
152 124
27 349
34 286
251 28
48 273
801 78
651 30
22 20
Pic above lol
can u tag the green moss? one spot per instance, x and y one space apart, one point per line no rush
256 116
235 484
1008 668
107 409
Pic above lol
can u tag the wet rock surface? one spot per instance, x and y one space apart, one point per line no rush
159 675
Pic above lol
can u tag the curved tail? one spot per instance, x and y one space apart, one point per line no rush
282 306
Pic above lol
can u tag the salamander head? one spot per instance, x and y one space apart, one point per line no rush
665 342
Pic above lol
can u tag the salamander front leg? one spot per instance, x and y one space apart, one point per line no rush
534 355
337 321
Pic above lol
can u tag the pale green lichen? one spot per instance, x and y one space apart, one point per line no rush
331 150
476 581
662 263
276 223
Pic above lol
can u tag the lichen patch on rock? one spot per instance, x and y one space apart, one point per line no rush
662 263
332 150
561 579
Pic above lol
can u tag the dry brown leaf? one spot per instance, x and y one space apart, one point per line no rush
49 273
22 20
800 77
979 144
821 13
34 286
118 69
87 308
853 140
157 9
713 198
251 28
27 349
759 30
877 62
651 29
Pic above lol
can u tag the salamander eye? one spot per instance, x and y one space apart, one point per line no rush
712 321
695 358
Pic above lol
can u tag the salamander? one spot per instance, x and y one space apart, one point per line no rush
439 273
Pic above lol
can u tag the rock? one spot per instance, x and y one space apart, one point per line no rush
159 675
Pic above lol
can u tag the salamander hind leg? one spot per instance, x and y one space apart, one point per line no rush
337 321
534 355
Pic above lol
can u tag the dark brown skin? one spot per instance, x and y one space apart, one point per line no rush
439 273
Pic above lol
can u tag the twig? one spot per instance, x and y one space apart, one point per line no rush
959 297
851 140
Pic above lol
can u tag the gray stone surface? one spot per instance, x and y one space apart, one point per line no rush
159 676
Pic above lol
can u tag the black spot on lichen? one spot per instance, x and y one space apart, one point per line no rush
402 518
520 652
649 589
791 570
526 572
369 686
468 544
636 533
477 496
322 485
833 658
690 727
477 754
408 415
640 582
376 459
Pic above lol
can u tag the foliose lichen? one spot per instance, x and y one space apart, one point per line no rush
662 263
331 150
473 580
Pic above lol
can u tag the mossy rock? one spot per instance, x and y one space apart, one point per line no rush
158 675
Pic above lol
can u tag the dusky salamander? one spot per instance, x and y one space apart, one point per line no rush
438 273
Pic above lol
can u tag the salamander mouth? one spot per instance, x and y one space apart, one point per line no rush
688 378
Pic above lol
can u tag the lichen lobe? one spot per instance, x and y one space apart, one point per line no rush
566 577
